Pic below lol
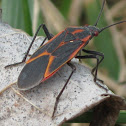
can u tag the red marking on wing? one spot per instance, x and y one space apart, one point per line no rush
47 72
52 38
42 54
77 31
61 44
49 75
77 50
86 38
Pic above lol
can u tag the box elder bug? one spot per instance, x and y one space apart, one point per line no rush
59 50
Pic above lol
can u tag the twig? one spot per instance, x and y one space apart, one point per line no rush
7 87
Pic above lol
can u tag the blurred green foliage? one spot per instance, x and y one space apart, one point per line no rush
18 13
63 6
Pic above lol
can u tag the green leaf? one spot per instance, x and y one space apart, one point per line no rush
17 13
88 116
12 13
122 117
63 6
27 17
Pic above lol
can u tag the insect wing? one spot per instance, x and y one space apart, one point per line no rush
35 68
32 73
62 55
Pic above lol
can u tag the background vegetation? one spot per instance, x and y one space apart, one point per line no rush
58 14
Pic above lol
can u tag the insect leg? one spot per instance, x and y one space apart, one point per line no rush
93 55
57 98
99 60
49 36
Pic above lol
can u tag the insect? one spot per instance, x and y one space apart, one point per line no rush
59 50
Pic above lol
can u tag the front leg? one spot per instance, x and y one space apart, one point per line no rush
95 55
96 67
48 35
98 54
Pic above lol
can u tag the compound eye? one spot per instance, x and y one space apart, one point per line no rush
96 33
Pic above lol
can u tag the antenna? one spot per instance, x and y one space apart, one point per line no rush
100 13
111 25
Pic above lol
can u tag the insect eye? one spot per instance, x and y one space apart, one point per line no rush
96 33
